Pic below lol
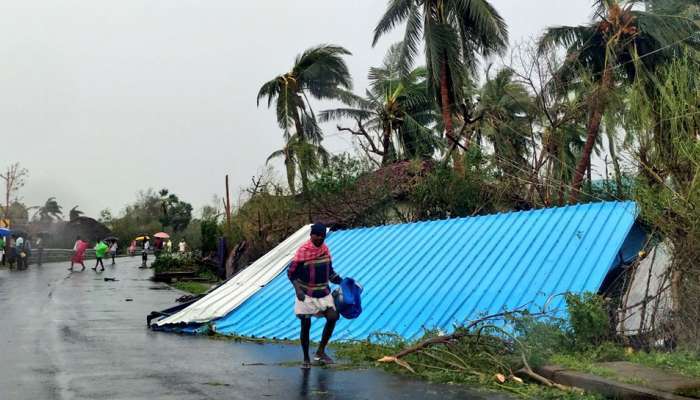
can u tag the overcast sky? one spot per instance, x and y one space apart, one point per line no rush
101 99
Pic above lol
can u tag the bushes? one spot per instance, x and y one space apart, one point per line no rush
210 232
174 262
588 319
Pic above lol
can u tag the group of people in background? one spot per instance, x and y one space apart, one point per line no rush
15 249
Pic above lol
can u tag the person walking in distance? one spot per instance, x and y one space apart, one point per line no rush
19 251
144 253
2 250
78 253
100 252
310 272
39 250
113 251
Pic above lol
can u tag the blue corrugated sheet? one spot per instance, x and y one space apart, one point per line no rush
436 274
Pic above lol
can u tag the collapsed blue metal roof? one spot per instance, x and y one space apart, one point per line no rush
433 275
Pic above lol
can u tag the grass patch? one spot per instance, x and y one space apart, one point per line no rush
581 363
684 363
681 362
192 287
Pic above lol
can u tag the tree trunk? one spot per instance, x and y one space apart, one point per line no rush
386 143
597 108
447 118
291 174
616 164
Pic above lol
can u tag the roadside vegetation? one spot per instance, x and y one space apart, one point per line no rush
192 287
503 352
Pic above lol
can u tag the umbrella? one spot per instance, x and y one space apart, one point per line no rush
5 232
142 237
162 235
111 239
18 233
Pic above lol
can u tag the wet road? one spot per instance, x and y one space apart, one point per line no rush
74 336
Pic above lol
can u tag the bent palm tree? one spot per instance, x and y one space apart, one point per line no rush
74 213
397 109
308 157
453 32
504 107
620 44
49 211
318 72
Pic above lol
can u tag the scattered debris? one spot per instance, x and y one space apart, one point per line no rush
128 299
111 280
186 297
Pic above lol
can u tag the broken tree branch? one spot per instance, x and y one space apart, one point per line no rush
362 132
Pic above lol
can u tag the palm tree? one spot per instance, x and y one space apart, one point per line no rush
49 211
504 106
619 45
318 72
301 155
453 32
74 213
398 110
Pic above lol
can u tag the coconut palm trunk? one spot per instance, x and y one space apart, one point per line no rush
447 119
597 109
386 145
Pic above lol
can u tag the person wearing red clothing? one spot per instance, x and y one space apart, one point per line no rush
78 253
310 272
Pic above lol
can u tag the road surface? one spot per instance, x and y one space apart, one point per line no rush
73 335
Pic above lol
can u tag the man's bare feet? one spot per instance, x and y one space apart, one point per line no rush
323 359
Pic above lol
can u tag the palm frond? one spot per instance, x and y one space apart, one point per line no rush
344 113
483 28
396 12
321 70
270 90
276 154
409 49
669 31
571 37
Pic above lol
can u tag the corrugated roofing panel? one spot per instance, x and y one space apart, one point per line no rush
243 285
439 273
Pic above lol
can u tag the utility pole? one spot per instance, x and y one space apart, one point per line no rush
228 209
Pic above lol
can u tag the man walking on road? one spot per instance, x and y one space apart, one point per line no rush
310 273
100 251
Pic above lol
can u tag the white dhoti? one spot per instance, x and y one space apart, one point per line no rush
312 306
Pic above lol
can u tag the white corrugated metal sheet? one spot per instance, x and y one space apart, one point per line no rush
650 278
242 286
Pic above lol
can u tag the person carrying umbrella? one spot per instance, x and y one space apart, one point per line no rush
113 251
